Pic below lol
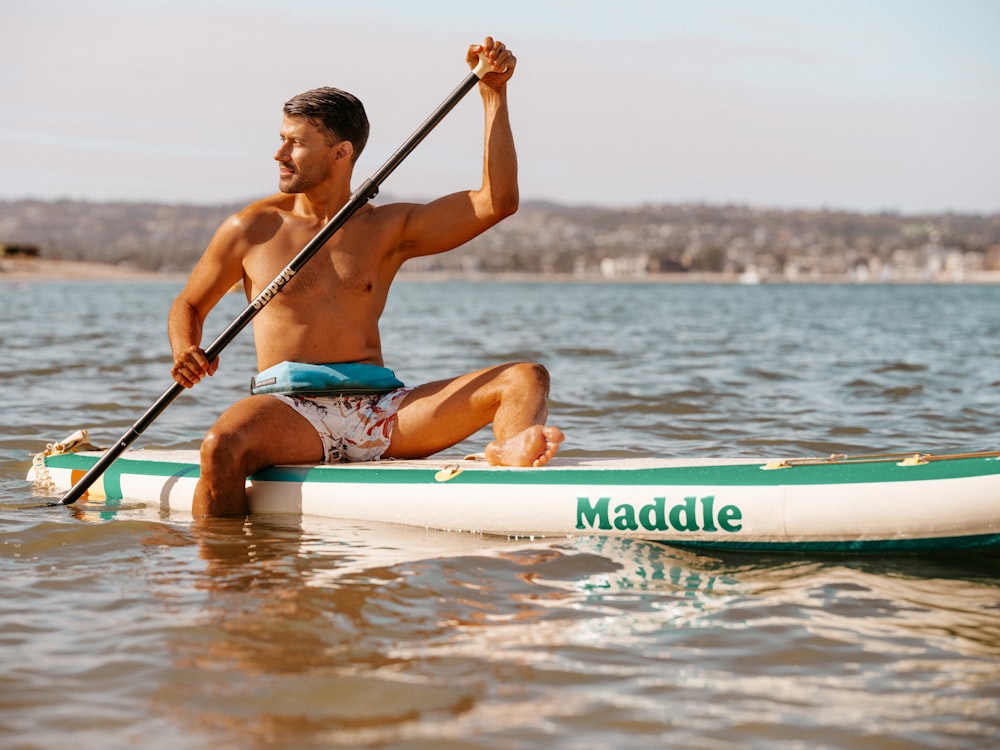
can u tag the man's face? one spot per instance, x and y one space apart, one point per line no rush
304 157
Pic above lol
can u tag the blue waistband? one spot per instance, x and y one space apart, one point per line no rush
325 380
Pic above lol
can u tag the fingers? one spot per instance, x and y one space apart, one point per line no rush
501 59
191 366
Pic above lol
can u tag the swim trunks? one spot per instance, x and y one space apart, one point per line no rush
352 427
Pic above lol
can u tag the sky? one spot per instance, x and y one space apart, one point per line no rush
866 105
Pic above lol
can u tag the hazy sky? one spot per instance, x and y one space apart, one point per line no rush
868 104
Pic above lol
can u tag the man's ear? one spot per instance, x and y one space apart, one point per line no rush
345 150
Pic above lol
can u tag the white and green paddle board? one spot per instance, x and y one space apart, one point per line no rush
867 503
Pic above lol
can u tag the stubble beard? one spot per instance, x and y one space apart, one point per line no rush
301 182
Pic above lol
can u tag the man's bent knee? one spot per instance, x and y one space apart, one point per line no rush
222 450
530 376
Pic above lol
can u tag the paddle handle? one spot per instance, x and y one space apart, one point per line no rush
483 67
366 192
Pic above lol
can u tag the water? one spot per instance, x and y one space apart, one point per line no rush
126 628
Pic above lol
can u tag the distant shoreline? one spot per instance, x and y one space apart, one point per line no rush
43 269
16 270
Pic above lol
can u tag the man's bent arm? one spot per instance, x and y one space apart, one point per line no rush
498 197
184 329
214 274
455 219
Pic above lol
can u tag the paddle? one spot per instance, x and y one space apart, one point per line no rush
361 196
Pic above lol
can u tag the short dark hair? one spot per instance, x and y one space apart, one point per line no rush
340 114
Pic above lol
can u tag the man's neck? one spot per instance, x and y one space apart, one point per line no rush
321 205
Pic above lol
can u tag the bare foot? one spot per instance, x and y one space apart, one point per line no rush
533 446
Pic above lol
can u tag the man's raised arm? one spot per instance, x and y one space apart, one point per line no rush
455 219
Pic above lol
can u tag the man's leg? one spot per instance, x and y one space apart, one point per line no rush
252 434
514 397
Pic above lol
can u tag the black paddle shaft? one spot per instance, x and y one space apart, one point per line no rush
366 192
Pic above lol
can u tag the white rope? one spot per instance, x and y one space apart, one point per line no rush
77 441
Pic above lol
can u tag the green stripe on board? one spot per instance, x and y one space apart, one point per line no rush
126 465
112 477
732 475
935 544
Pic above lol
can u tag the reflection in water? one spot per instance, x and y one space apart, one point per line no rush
360 634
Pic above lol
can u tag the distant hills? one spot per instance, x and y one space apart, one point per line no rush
583 241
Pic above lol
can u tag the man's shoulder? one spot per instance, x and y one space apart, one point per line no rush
250 223
268 206
264 210
379 210
385 214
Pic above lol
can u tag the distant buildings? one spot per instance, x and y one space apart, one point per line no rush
677 242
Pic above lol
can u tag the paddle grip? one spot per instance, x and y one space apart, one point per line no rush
483 67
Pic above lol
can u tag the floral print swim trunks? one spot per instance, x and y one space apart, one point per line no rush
352 428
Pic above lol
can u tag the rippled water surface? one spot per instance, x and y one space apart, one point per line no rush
128 628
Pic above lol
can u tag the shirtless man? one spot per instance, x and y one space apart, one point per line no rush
329 312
